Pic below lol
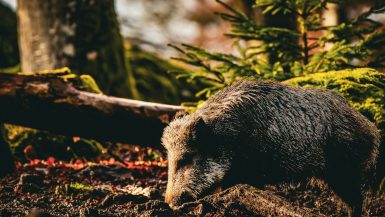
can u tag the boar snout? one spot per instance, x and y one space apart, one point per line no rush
177 200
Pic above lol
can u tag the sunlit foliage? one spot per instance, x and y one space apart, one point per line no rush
364 89
282 53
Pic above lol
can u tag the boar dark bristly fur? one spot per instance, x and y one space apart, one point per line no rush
259 132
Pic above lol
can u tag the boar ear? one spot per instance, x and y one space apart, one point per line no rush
200 128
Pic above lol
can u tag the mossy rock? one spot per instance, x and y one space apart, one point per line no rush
44 144
364 88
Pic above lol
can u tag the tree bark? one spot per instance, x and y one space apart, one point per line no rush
80 34
48 102
9 51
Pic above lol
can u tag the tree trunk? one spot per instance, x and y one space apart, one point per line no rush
9 51
330 18
80 34
48 102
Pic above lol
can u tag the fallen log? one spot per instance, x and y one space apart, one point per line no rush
50 102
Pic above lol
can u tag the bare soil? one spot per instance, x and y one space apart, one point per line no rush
110 188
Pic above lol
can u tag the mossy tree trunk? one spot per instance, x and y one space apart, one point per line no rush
80 34
7 164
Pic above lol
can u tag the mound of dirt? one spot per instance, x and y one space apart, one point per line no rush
110 189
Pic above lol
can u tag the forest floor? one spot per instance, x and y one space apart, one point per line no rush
43 188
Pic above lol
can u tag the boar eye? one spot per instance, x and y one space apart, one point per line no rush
184 161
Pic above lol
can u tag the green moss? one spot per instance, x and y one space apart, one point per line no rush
364 88
80 187
46 145
11 70
83 82
89 84
65 71
7 164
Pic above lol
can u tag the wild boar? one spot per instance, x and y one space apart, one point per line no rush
261 132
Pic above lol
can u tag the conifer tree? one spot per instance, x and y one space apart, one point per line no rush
282 53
